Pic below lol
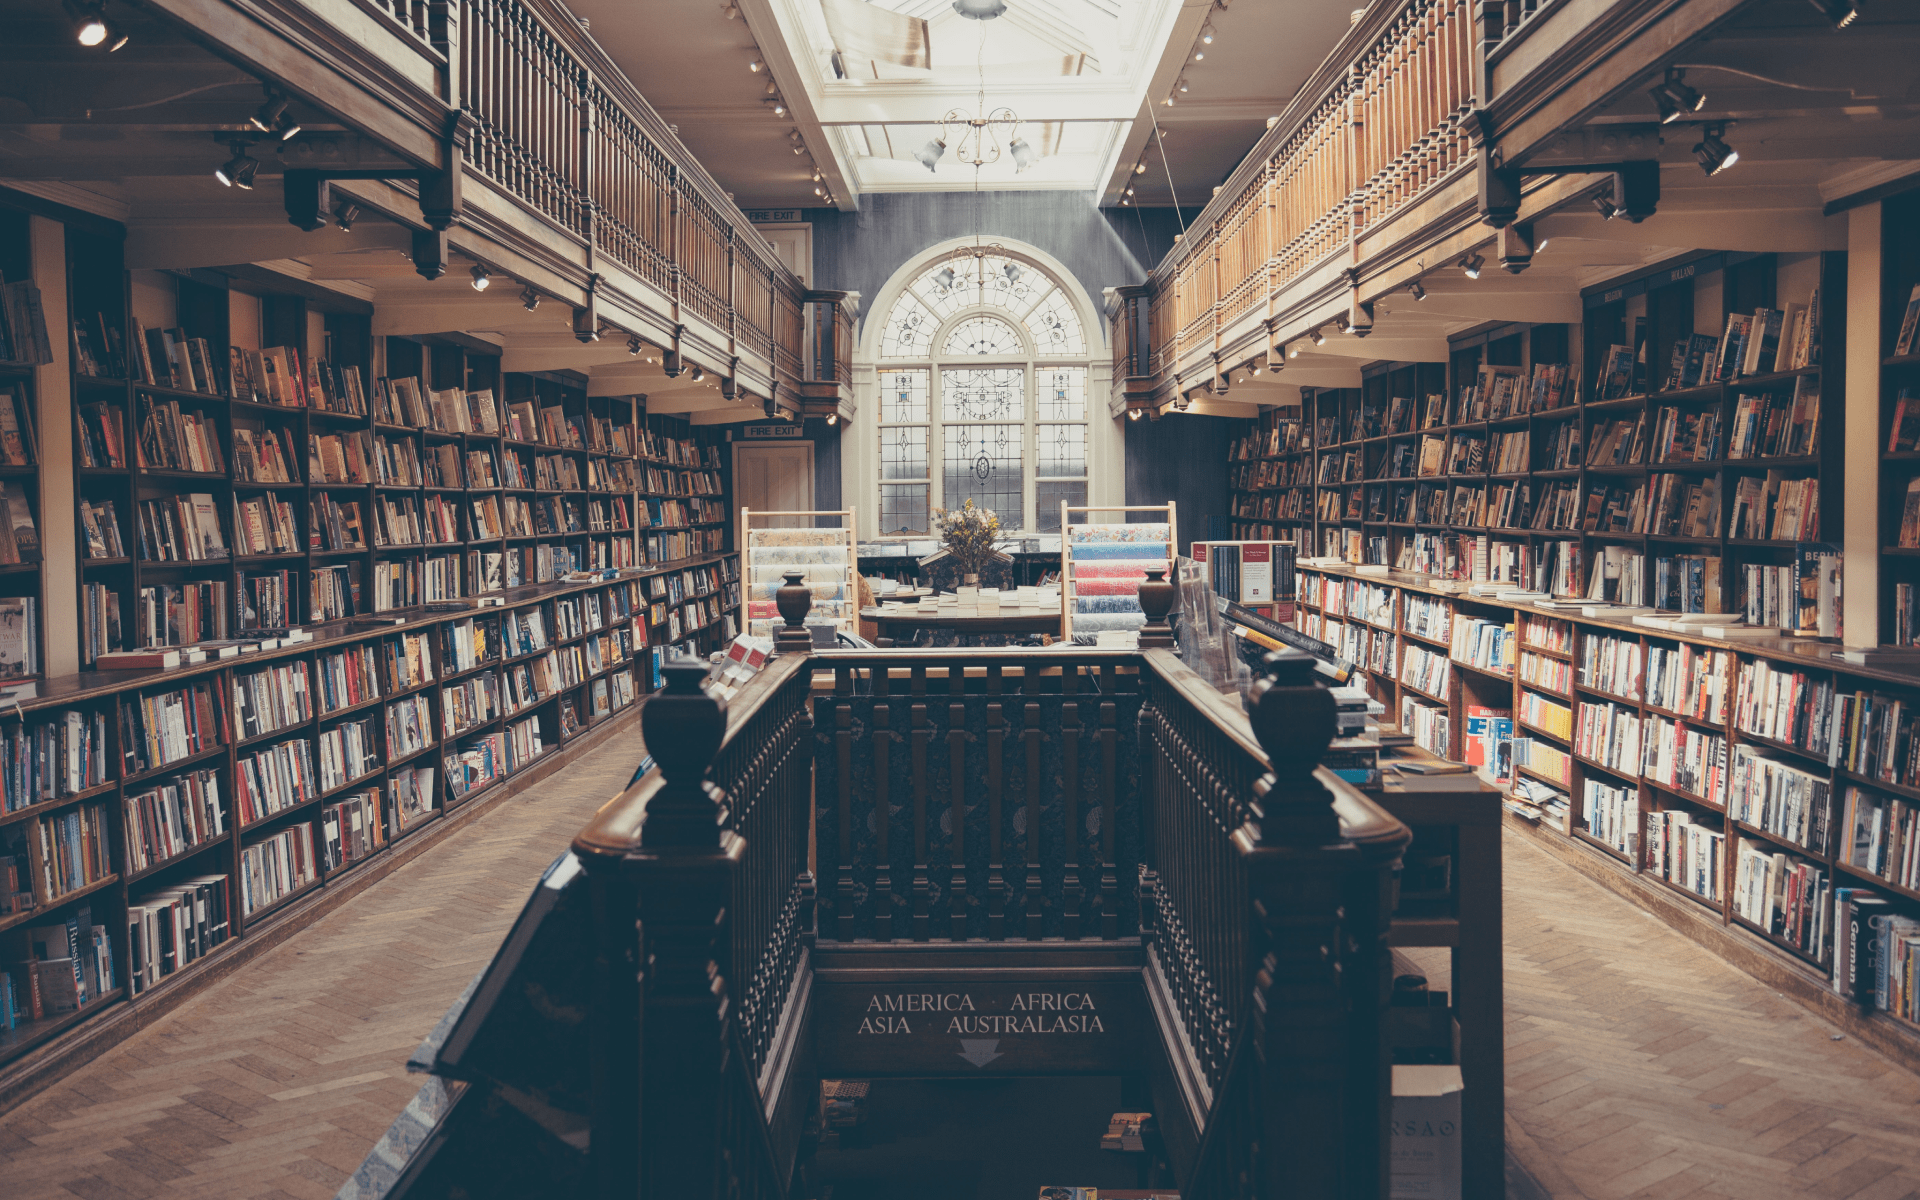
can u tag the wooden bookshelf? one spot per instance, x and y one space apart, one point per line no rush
1709 708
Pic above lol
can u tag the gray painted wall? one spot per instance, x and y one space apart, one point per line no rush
858 251
1181 458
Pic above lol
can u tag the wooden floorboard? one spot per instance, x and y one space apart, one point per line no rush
1639 1064
276 1080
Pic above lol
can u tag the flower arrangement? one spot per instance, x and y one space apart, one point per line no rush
969 535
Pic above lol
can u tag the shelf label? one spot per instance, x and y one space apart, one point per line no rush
957 1026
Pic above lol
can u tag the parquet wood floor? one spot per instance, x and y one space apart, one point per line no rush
1639 1065
275 1082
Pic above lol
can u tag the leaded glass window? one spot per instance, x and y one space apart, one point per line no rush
971 378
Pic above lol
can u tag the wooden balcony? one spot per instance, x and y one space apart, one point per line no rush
1375 173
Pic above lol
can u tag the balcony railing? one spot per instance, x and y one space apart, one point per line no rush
1378 127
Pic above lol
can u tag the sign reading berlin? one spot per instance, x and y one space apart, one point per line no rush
1057 1026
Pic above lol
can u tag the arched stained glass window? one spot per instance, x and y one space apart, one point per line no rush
983 396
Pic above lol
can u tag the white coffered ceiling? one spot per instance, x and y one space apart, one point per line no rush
1086 77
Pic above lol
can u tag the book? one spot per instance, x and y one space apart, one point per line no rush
1909 324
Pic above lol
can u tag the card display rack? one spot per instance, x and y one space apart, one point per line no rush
1103 564
773 543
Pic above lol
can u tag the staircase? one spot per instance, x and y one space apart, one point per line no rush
901 864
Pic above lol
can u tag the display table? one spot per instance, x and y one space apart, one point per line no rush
891 623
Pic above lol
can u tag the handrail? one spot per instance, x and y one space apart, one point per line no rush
1379 123
558 126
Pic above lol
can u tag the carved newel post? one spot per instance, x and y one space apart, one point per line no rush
683 727
1321 912
794 600
1158 598
1294 718
681 869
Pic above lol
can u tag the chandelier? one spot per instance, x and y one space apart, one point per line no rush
976 139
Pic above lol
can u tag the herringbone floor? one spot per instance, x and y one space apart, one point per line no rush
1638 1065
277 1081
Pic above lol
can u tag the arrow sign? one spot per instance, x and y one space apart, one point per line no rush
979 1053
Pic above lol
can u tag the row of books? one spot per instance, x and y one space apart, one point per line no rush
1781 798
55 755
276 867
351 829
173 928
1685 852
1552 674
173 817
56 967
1785 896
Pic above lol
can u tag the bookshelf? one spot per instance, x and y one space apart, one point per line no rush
1899 444
376 727
1373 475
1700 768
398 581
22 590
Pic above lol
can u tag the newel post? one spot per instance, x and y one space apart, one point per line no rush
1322 901
794 599
680 868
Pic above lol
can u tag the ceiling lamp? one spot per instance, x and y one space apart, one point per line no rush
92 28
1714 154
530 300
1471 265
1416 291
481 280
345 215
1319 337
1605 207
1206 34
635 345
1023 155
779 106
1674 98
1839 13
239 170
1181 87
980 10
930 153
698 374
271 117
1140 168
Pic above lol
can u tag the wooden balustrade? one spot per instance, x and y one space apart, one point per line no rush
1266 902
556 126
983 794
1374 131
699 898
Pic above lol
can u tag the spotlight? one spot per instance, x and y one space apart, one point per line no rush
1168 102
1139 168
833 418
1471 265
818 190
779 107
480 278
238 171
1674 98
1012 272
732 12
1182 85
271 117
756 66
1206 34
530 300
771 409
635 345
1319 337
1023 154
773 89
1293 351
1604 207
1199 55
92 28
345 215
697 374
944 277
1129 191
930 153
1253 368
816 174
799 149
1416 291
1714 154
1133 414
1839 13
1125 200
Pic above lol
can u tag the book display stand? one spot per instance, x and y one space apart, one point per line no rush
788 541
1102 565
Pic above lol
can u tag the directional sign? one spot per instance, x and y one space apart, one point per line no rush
950 1026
